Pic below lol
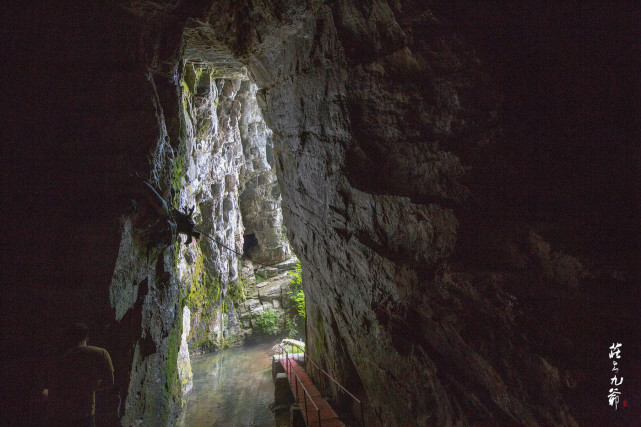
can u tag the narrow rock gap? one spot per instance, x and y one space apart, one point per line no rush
223 173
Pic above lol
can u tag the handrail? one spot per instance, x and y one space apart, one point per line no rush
288 369
305 400
330 377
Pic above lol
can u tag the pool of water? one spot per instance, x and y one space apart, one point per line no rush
232 388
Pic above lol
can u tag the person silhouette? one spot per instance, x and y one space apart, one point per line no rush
75 377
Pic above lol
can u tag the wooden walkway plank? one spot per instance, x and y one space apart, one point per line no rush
328 418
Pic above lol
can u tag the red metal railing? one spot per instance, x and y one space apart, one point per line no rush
288 368
319 369
305 392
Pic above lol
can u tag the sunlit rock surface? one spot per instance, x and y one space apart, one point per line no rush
222 171
184 366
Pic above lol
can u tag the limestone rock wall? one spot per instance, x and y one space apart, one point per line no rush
185 374
222 171
147 298
260 199
420 282
269 288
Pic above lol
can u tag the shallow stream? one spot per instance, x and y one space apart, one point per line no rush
232 388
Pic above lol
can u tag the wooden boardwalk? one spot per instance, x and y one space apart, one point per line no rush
315 409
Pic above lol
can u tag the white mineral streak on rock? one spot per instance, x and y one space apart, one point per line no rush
184 365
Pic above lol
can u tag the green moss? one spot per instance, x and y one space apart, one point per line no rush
296 293
203 290
196 284
172 357
173 390
185 87
320 337
199 74
260 276
237 291
203 297
204 342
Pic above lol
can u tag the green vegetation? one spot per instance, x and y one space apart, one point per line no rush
205 342
172 355
290 348
260 276
294 327
203 294
296 293
185 87
267 322
203 290
295 322
237 291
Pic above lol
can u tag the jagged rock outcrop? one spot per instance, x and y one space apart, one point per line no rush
185 374
145 293
222 170
260 200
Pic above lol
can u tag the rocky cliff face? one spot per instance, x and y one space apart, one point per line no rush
421 279
214 166
147 299
222 171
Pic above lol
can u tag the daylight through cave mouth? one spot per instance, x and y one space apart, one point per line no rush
223 170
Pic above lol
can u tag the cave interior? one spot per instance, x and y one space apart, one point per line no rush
460 181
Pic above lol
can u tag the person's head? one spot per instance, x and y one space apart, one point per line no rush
78 333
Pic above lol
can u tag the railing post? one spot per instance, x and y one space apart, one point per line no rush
319 420
362 416
287 362
305 403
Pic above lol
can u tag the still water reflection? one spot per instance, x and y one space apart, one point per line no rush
232 388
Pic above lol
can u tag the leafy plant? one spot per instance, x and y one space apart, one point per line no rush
294 327
296 293
267 322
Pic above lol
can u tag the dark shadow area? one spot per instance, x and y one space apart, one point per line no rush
250 243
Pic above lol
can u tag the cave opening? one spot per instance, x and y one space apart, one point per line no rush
239 277
250 243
